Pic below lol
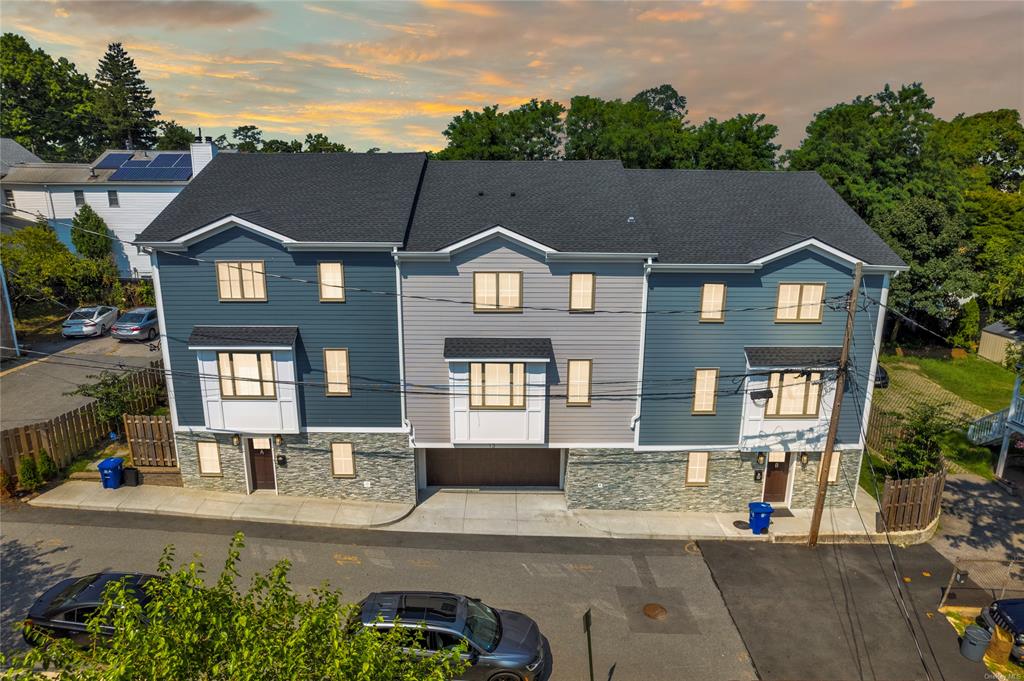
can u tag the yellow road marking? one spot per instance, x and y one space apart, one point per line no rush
21 366
343 560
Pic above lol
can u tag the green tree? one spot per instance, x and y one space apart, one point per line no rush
114 394
173 137
124 103
744 142
987 148
45 104
935 243
663 98
89 234
188 629
918 450
247 138
530 132
632 132
36 263
319 144
281 147
222 142
968 326
1006 291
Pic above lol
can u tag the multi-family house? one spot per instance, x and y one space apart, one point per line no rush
128 189
378 325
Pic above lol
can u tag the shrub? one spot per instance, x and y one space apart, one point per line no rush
89 234
6 485
28 474
919 449
968 326
47 468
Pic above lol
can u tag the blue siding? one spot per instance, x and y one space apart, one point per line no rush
367 324
677 344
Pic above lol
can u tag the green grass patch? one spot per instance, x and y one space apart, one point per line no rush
974 379
978 460
865 480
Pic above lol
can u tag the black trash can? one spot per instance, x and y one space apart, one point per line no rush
975 642
131 477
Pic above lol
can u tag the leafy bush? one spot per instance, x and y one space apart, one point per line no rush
6 485
47 467
114 394
968 326
1014 360
919 449
28 474
89 234
188 630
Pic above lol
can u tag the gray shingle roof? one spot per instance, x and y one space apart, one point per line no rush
724 216
498 348
1001 329
567 205
12 153
243 336
793 357
307 197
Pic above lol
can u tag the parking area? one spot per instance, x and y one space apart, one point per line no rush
32 388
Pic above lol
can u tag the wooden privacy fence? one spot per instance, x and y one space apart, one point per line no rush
884 430
910 504
73 432
151 439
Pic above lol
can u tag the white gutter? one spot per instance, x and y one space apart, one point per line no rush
165 352
640 364
401 341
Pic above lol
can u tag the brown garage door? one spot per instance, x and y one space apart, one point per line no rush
493 467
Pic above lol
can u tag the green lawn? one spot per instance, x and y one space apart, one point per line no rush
978 460
865 474
976 380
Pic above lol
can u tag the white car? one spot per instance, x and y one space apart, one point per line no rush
89 321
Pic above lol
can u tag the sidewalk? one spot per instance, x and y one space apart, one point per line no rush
510 513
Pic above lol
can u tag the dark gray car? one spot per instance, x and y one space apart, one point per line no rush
138 324
503 645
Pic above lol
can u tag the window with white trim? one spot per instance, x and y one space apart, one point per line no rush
497 385
833 468
112 200
579 371
696 469
705 391
208 454
9 198
246 375
497 291
799 302
794 395
332 282
79 198
241 280
343 462
336 368
582 291
712 303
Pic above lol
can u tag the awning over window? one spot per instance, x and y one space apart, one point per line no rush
793 357
534 349
220 337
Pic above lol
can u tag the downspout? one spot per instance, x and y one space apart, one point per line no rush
401 342
640 365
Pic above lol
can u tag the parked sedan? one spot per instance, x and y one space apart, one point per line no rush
138 324
89 321
881 377
501 645
1008 615
64 610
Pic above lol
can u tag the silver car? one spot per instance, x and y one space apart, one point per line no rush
138 324
89 321
501 645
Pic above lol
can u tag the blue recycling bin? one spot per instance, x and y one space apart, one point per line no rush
111 470
760 516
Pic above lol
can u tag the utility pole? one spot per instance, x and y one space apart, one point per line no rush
837 404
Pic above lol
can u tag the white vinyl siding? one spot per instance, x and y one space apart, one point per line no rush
497 291
497 385
336 368
582 291
794 395
343 463
209 458
697 468
579 371
705 391
799 302
332 282
712 303
246 375
243 280
833 469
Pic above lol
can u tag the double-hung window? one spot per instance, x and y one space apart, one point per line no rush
712 303
497 385
246 375
579 383
79 198
794 395
705 391
696 469
241 280
800 303
498 291
336 369
332 282
582 291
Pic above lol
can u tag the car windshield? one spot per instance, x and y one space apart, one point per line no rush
132 318
83 313
68 595
482 625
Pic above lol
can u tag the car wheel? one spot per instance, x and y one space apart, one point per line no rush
151 335
103 330
506 676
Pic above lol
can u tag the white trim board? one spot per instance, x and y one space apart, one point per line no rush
315 429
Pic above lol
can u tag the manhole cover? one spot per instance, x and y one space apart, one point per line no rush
655 611
741 525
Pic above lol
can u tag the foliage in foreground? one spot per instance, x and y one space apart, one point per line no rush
919 450
187 630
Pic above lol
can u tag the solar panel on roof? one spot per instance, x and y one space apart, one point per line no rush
165 160
112 161
150 174
135 164
184 161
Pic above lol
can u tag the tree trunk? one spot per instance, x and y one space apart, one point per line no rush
895 330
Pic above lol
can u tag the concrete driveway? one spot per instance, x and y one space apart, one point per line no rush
32 388
982 520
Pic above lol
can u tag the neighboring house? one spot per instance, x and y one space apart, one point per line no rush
374 325
126 188
996 339
13 154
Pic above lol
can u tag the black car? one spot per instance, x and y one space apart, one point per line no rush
1008 615
62 612
881 377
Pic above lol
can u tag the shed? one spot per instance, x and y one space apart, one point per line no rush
995 339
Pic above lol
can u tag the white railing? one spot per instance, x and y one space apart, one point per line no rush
1018 411
988 427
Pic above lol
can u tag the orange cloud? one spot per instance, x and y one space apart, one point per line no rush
666 15
394 55
476 9
335 63
494 79
733 6
904 4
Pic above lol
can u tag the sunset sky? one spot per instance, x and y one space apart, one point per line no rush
392 74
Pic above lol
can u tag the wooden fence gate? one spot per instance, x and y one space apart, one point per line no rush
151 439
911 504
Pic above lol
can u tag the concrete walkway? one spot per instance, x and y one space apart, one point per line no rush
512 513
